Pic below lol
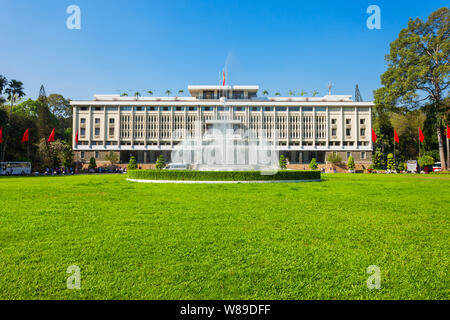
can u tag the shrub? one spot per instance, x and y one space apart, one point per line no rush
402 166
132 165
283 162
112 158
92 163
378 160
313 164
334 158
390 162
351 163
192 175
426 161
160 162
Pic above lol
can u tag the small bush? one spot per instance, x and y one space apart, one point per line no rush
378 160
351 163
426 161
160 162
192 175
334 158
92 163
132 165
313 164
283 162
390 162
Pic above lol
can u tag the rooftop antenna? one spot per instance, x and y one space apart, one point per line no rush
358 97
329 86
42 92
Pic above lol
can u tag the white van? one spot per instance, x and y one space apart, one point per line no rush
15 168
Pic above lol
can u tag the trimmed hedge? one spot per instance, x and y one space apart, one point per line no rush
192 175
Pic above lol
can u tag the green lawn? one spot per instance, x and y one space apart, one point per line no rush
239 241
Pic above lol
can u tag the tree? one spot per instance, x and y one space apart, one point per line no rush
426 161
315 93
378 160
334 158
291 93
14 91
112 157
137 95
59 106
150 92
390 162
132 165
283 162
160 162
265 92
302 93
124 94
180 92
277 94
313 164
92 163
53 154
3 82
350 163
28 108
418 70
168 92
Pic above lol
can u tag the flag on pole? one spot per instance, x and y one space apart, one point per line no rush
223 77
76 137
1 135
396 136
448 134
52 136
421 136
25 136
374 136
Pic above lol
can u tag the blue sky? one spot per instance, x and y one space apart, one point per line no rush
159 45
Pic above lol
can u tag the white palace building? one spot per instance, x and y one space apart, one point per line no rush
308 127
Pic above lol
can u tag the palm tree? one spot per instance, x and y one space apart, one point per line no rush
315 93
14 92
291 93
265 92
3 83
180 91
150 92
137 94
302 93
124 94
168 92
277 94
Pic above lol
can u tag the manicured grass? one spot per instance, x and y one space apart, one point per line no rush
240 241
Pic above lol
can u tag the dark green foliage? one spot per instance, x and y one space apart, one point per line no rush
192 175
92 163
160 162
390 162
313 164
426 161
378 160
283 162
132 165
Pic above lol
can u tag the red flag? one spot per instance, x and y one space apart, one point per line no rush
1 135
52 136
223 77
421 137
76 137
25 136
374 136
448 134
396 136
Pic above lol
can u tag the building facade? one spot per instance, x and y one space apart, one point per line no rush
144 126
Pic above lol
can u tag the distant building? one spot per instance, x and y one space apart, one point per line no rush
143 126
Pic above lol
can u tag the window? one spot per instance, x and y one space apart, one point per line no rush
98 109
111 120
82 154
348 121
362 132
83 121
97 131
223 108
251 95
321 109
125 108
307 108
112 108
294 109
165 108
82 132
348 131
333 121
208 94
268 108
363 155
97 120
179 108
238 94
238 108
362 121
256 108
138 108
192 108
281 108
207 108
84 108
152 108
97 154
111 131
333 132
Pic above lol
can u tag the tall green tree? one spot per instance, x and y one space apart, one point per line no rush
418 70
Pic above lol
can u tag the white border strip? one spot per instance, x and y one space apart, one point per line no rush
206 182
